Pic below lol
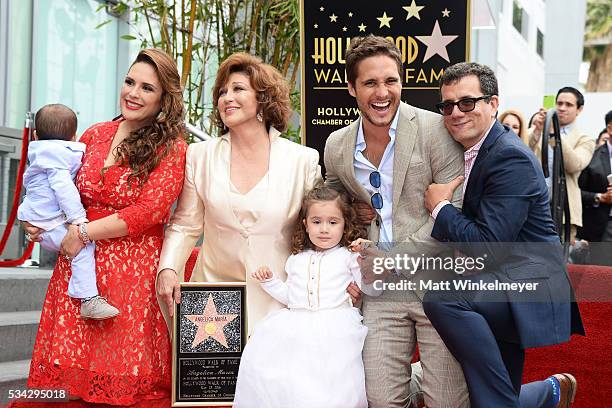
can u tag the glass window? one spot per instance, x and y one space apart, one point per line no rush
75 63
540 44
525 25
517 16
19 57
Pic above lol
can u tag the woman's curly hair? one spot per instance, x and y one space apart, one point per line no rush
144 148
352 229
270 86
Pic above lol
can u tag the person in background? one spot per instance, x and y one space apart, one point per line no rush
595 183
515 121
577 148
602 138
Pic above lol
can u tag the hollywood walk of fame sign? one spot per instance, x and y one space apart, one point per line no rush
208 339
431 35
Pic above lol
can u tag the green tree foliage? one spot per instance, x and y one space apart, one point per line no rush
598 45
199 34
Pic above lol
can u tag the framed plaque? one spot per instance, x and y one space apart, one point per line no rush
209 336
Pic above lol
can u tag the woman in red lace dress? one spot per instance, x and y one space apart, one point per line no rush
132 172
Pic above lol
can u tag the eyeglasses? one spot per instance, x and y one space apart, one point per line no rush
376 199
464 105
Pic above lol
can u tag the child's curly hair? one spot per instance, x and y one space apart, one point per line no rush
352 230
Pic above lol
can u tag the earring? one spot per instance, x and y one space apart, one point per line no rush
259 117
160 116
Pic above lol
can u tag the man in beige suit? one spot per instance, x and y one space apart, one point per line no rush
387 158
577 148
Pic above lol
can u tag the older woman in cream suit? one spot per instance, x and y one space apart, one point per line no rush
242 191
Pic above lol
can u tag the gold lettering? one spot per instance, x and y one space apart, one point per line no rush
319 56
321 73
330 51
437 76
422 77
400 42
342 50
413 50
409 76
336 77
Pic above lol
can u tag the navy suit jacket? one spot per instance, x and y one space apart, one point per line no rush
506 210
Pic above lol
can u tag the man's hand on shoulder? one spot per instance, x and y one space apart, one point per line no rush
436 193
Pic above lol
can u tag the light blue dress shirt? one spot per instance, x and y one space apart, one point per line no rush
363 169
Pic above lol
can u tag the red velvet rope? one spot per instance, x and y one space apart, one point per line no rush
16 196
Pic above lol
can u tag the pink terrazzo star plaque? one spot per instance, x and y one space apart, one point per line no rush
210 324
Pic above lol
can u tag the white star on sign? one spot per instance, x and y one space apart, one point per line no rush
384 20
333 18
436 43
413 10
362 27
446 13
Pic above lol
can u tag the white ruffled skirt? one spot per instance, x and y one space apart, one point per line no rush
299 358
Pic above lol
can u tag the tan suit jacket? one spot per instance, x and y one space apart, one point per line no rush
424 153
577 152
229 251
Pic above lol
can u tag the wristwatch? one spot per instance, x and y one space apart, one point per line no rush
597 198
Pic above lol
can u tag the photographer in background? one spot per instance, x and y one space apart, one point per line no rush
595 184
577 148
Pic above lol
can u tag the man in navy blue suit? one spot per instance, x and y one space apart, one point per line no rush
505 215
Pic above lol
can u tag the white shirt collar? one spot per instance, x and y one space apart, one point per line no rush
360 142
565 130
325 251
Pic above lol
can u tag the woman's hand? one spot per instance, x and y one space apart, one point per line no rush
32 232
355 293
262 274
168 289
71 244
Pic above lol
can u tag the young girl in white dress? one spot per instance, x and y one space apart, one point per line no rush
309 355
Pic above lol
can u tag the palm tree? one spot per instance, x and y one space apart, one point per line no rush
598 45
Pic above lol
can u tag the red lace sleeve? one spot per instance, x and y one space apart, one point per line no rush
158 193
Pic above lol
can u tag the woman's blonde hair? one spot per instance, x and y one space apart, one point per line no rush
522 124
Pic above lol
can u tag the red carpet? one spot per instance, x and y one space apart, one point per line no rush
588 358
